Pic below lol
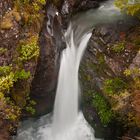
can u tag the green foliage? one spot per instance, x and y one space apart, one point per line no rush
4 70
137 41
103 109
130 72
118 48
22 74
9 110
30 10
101 59
8 77
6 82
43 2
36 7
112 86
130 8
29 51
30 109
30 105
24 1
3 50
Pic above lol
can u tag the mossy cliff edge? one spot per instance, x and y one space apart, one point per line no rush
20 25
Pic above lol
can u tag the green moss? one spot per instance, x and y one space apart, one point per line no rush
29 51
43 2
22 74
4 70
6 82
103 109
119 47
3 50
113 86
9 76
9 110
130 72
131 9
30 109
6 24
101 59
30 10
137 41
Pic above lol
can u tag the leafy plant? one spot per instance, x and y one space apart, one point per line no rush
103 109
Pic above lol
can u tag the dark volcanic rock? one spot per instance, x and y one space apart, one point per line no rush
44 83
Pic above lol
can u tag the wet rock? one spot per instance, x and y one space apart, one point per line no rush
4 133
51 44
86 5
101 62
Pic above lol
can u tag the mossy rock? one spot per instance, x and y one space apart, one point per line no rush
20 92
6 24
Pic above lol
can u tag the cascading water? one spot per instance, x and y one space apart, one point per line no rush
66 102
67 122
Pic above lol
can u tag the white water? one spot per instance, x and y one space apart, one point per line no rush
67 123
66 102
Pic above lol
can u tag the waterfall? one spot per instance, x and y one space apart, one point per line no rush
67 122
66 102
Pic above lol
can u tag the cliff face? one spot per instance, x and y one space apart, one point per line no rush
110 78
20 24
31 41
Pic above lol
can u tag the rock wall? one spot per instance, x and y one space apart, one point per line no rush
107 89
